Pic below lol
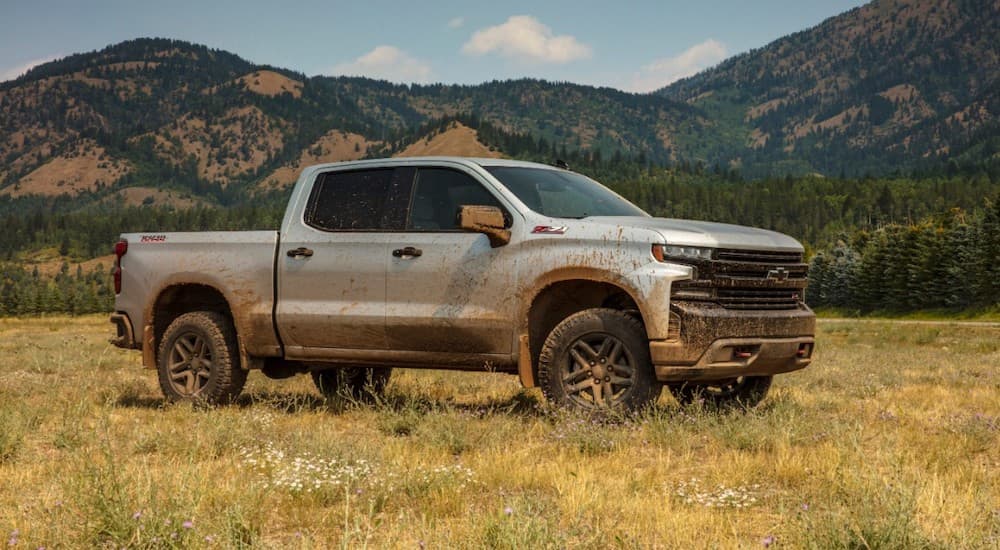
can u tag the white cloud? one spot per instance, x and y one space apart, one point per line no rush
524 38
14 72
456 23
662 72
387 63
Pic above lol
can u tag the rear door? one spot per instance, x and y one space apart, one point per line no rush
332 263
447 289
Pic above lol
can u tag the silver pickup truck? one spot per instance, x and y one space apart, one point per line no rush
468 264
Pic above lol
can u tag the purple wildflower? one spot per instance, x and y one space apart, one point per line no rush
805 506
137 515
508 511
188 524
767 541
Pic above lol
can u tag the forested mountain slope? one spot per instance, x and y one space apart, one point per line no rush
892 85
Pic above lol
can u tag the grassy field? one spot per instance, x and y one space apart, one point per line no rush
890 440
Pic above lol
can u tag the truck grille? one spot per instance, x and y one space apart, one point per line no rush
758 257
758 298
748 279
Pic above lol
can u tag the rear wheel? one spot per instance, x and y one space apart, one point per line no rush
598 359
358 383
198 359
744 391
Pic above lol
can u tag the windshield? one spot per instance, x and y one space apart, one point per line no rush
562 194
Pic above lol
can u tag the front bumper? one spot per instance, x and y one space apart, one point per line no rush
715 343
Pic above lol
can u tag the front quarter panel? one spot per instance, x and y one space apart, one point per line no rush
617 255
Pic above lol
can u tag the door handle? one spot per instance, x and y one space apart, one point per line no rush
300 252
408 252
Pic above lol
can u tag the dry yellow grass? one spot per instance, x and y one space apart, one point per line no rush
270 83
83 169
889 440
334 146
458 140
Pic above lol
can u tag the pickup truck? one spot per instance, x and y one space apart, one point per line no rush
471 264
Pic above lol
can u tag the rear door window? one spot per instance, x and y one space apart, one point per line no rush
350 201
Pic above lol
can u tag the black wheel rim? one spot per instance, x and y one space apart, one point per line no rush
189 366
598 370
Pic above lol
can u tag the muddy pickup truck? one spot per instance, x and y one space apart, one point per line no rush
468 264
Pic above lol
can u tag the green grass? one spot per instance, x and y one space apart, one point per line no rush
890 440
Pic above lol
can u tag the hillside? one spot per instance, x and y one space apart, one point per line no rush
894 84
169 114
890 87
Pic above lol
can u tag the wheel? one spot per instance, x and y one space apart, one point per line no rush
744 391
198 359
598 359
358 383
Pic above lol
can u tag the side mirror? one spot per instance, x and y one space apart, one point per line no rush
484 219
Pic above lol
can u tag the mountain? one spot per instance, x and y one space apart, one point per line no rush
176 115
894 84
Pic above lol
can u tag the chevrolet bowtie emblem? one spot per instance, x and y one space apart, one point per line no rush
778 274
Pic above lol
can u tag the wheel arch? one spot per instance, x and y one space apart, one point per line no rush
558 298
174 300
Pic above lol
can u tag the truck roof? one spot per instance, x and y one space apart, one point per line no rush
468 161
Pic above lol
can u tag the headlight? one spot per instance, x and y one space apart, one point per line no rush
667 252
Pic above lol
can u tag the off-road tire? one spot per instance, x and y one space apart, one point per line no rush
355 383
745 392
569 365
198 359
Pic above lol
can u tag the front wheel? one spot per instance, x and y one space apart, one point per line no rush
744 391
598 359
198 359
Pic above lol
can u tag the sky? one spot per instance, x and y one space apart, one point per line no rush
637 46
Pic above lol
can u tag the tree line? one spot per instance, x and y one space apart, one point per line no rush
843 222
948 261
24 292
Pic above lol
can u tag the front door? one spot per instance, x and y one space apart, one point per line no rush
447 290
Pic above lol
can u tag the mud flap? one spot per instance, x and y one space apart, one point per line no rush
525 369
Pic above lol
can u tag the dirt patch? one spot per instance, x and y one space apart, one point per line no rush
86 168
840 119
902 92
758 139
457 140
334 146
758 111
270 83
701 96
663 134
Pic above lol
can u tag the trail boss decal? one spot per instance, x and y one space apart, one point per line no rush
153 239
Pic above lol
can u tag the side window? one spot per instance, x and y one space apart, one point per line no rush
437 194
349 201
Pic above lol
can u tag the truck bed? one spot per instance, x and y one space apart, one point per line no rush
239 264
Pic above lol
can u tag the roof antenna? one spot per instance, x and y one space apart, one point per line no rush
560 163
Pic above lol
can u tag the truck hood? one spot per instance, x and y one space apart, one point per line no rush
707 234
